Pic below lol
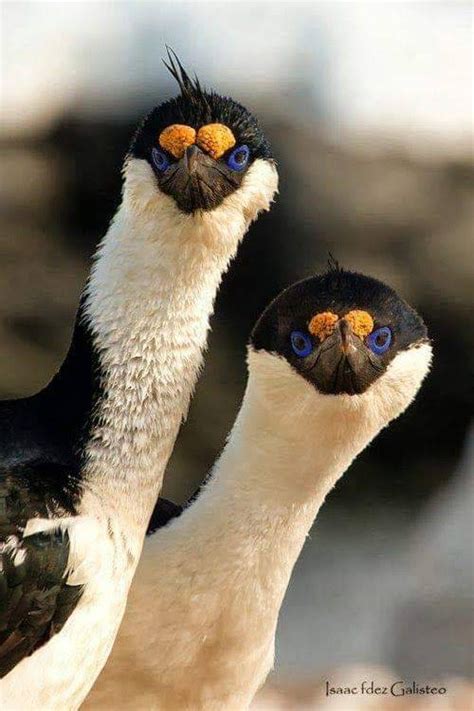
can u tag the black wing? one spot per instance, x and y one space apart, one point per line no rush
163 512
35 600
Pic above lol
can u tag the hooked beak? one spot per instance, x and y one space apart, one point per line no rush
196 182
190 182
191 159
344 364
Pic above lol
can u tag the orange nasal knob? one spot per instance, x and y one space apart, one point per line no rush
323 324
215 139
361 322
176 138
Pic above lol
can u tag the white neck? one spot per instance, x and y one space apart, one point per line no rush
214 579
148 303
285 453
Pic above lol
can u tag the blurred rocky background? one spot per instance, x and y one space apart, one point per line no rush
368 107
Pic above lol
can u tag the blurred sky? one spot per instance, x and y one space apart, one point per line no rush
400 69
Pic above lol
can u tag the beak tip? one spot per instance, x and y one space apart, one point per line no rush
190 158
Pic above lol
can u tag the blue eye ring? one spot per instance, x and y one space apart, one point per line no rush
301 344
160 159
379 340
239 158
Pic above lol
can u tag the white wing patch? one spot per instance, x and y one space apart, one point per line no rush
87 544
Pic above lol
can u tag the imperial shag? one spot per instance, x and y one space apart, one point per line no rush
82 462
331 362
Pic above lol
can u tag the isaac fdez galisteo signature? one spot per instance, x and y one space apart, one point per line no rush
397 688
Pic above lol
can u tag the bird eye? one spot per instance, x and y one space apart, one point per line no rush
239 158
301 344
160 159
379 340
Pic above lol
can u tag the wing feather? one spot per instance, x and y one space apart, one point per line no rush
35 599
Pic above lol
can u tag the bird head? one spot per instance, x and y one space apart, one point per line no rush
344 342
201 148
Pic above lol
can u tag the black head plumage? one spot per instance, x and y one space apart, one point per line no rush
199 144
336 295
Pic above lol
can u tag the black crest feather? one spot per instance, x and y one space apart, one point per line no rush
333 266
191 89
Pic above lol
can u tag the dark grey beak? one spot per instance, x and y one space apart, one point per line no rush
198 182
191 159
344 364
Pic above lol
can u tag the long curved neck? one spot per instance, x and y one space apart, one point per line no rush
281 460
287 449
145 315
148 305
